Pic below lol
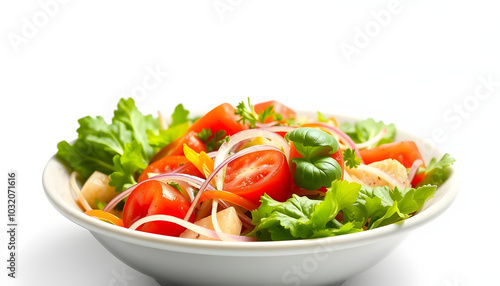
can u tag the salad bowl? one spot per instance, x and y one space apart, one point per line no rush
180 261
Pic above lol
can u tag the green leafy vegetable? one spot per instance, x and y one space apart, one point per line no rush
362 208
351 160
301 217
364 130
122 148
180 123
436 171
127 165
317 168
381 206
128 114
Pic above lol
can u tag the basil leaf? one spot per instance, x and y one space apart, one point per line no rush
312 142
317 172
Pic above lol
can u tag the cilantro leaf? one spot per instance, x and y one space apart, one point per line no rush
302 218
381 206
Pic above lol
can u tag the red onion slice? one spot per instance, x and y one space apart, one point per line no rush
188 225
414 168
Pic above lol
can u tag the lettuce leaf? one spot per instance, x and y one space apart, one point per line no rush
122 148
364 130
437 171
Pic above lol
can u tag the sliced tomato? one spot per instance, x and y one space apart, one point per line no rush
168 164
259 173
151 198
338 156
406 152
278 107
176 146
221 117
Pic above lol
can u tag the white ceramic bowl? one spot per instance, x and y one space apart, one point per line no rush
172 260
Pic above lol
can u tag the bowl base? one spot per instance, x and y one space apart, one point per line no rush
162 283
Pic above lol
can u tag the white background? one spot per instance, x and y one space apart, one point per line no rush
419 64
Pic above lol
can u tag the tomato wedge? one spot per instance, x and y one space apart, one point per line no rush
406 152
221 117
259 173
176 147
278 107
168 164
154 197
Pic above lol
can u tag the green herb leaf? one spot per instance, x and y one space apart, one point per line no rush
316 172
212 141
312 142
381 206
351 160
247 113
301 217
317 168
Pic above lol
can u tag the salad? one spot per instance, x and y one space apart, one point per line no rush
251 172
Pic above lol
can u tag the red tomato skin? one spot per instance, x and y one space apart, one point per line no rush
338 156
278 107
406 152
153 197
257 173
221 117
176 147
168 164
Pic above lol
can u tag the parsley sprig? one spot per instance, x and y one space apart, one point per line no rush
351 160
248 114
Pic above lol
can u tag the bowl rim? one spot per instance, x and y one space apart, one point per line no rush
445 195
